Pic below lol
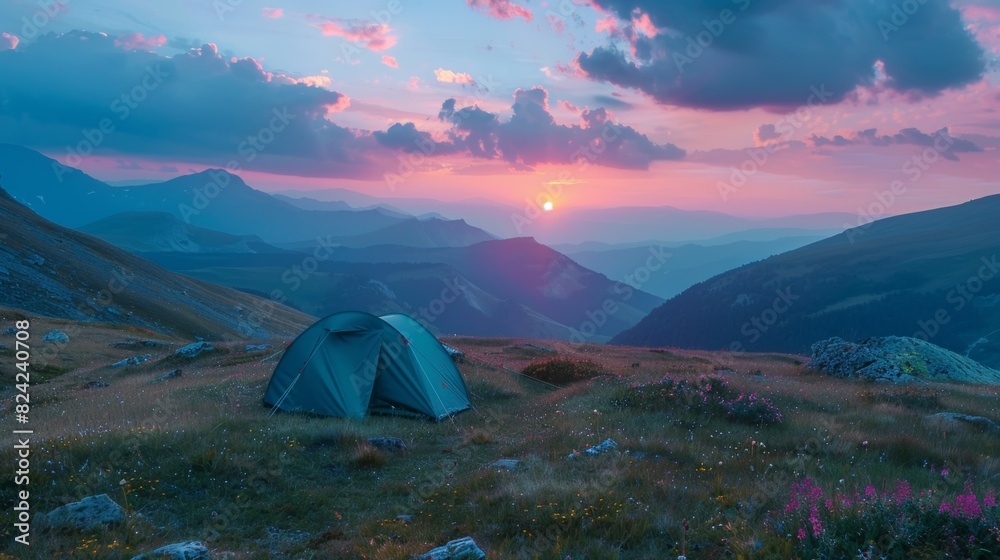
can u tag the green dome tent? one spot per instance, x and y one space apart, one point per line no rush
351 364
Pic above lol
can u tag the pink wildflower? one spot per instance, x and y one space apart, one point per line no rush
902 492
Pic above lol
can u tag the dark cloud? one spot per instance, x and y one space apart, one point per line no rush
203 107
765 133
738 54
198 106
407 138
946 144
532 136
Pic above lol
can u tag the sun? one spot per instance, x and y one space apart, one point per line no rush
548 206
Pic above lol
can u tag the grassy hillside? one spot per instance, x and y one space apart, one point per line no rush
198 458
932 275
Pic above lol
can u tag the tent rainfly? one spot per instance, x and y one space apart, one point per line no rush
351 364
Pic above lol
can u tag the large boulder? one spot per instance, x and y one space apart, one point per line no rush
897 359
957 419
459 549
88 512
191 550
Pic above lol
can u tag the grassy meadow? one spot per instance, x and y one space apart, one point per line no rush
764 459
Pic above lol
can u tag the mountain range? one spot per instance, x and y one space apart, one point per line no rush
932 275
494 288
212 199
57 272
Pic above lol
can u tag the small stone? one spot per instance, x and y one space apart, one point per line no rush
97 385
405 518
509 464
605 445
194 349
191 550
459 549
55 336
255 347
172 375
387 443
132 361
457 355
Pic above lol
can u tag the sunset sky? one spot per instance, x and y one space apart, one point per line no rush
749 107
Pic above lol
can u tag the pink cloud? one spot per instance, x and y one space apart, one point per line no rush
607 25
272 13
316 81
449 77
413 84
8 42
136 41
569 106
343 102
374 36
390 61
642 23
984 22
556 23
501 9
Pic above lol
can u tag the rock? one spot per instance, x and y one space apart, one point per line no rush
605 445
132 361
255 347
191 550
540 347
957 419
134 343
9 331
509 464
88 512
97 385
387 443
55 336
172 375
897 359
459 549
457 355
405 518
194 349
